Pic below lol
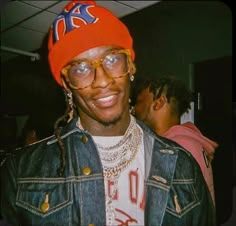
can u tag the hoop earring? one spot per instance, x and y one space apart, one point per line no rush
131 77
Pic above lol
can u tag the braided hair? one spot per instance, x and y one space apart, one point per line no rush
60 122
173 87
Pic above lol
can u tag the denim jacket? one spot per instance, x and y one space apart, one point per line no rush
34 195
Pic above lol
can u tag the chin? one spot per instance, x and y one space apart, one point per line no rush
110 118
110 121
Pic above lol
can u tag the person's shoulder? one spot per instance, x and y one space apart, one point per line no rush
6 154
21 152
163 142
174 145
186 164
166 145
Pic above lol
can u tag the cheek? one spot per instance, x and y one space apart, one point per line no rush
139 111
80 99
142 110
123 85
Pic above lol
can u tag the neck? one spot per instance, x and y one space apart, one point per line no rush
163 125
116 128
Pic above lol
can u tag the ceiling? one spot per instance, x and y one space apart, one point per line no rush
26 83
24 24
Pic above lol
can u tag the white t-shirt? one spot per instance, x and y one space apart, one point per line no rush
127 202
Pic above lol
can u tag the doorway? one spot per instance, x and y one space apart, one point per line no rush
213 116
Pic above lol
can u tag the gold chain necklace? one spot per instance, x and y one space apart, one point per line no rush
118 157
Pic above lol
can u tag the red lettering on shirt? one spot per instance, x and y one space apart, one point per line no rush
126 218
133 186
142 204
111 189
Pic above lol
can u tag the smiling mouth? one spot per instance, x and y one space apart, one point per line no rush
107 101
104 99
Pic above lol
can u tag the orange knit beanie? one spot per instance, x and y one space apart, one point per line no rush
80 26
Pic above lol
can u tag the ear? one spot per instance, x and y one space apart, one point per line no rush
159 103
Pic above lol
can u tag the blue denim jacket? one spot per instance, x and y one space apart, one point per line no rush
34 195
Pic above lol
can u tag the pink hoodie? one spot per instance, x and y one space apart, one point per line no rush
202 148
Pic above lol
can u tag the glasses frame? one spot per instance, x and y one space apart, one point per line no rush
95 64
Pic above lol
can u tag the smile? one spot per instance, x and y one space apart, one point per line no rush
106 98
107 101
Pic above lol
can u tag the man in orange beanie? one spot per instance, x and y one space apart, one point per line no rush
101 167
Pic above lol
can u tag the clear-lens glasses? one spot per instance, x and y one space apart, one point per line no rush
81 74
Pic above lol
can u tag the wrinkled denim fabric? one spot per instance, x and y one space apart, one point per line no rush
176 193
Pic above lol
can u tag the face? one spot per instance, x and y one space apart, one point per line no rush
106 99
143 106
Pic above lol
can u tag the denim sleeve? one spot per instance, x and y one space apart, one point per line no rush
202 213
190 202
206 215
8 192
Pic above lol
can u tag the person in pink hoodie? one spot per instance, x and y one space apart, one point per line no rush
160 103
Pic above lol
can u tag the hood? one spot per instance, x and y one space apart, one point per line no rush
187 131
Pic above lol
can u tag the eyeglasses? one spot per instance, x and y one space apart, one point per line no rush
82 73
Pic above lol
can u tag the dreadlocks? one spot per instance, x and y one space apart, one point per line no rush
68 115
173 88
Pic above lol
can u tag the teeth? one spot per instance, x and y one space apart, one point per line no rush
106 98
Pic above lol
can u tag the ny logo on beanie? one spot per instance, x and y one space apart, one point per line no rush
73 16
83 25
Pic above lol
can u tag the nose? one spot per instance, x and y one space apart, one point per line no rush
101 78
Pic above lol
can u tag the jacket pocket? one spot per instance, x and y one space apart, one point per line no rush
44 199
182 198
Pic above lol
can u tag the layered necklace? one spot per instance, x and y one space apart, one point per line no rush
117 157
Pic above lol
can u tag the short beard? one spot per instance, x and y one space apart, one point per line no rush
111 122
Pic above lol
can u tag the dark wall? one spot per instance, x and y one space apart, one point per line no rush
168 37
171 35
28 86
